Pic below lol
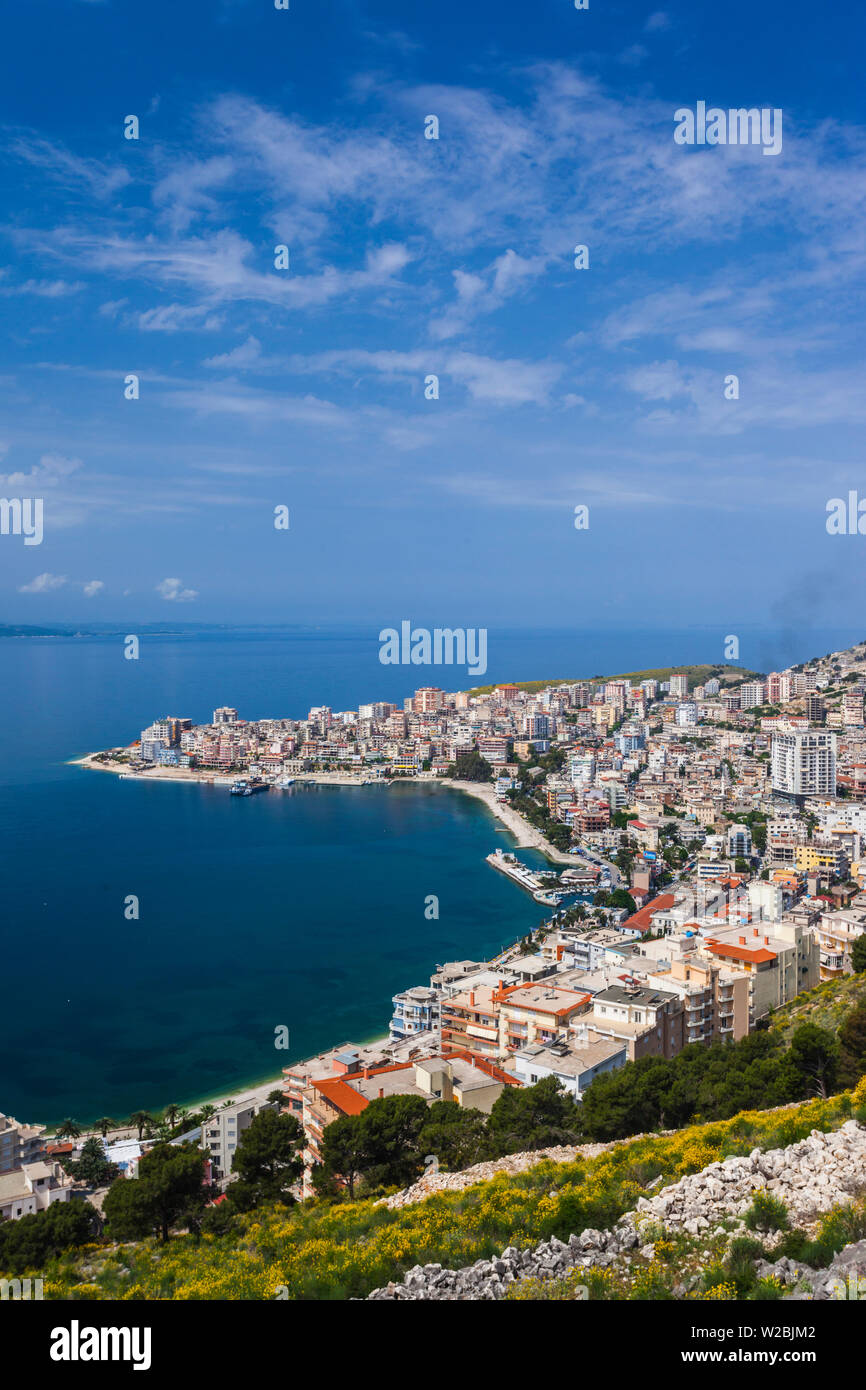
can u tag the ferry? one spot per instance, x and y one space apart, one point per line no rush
248 787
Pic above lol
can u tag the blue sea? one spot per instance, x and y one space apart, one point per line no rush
301 909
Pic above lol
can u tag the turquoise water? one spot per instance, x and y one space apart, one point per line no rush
302 909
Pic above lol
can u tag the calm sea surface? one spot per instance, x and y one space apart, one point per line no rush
302 908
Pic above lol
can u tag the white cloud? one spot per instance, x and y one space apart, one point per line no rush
44 289
43 584
50 471
71 170
498 381
486 291
174 592
246 355
173 318
93 587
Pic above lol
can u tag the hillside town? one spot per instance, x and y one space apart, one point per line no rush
714 831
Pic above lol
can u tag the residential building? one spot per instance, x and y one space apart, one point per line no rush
752 693
19 1144
416 1010
32 1188
837 932
575 1064
470 1081
221 1133
536 1014
803 763
649 1022
470 1019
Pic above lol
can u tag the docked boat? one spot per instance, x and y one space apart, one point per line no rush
285 782
248 786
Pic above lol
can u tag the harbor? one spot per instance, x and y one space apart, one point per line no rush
538 884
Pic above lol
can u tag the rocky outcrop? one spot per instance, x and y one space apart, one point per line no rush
808 1177
845 1278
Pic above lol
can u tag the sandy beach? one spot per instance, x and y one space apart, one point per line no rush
526 835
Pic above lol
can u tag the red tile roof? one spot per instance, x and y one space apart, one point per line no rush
758 955
344 1096
640 921
341 1096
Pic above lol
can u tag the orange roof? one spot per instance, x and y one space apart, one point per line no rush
343 1096
758 955
640 921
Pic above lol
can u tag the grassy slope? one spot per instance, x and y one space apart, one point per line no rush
345 1251
826 1005
697 676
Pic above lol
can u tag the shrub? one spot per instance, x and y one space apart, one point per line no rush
740 1263
766 1213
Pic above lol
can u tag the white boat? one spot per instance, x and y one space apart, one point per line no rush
285 782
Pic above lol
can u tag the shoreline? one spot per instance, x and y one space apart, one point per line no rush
525 837
253 1090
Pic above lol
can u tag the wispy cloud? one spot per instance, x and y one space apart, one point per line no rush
43 584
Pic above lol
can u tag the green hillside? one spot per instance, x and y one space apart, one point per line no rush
698 675
826 1006
345 1250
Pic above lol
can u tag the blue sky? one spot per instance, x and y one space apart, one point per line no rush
558 387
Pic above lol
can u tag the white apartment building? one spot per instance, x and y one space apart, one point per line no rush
220 1134
837 932
19 1144
31 1188
751 694
803 763
416 1010
781 960
575 1064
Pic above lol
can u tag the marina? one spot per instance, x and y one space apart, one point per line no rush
532 881
248 786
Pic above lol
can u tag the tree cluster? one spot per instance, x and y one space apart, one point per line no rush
395 1139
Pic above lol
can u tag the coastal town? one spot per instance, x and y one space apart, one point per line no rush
706 843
